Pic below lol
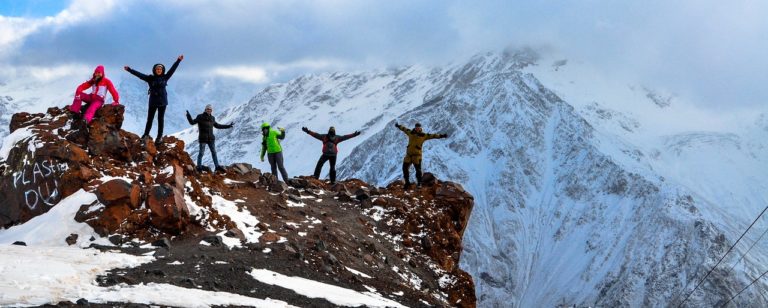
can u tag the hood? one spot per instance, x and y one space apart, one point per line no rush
332 131
160 65
100 69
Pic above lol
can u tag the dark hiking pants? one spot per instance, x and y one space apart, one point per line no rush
160 116
276 162
321 162
407 175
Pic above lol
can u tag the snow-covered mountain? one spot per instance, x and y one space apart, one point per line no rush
578 202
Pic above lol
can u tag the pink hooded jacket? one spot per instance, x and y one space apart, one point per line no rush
101 87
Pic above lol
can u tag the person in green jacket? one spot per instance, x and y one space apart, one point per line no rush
270 144
416 138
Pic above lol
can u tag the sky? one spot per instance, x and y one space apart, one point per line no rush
710 51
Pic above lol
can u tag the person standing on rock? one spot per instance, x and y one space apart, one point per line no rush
158 96
205 124
330 140
99 85
416 138
270 144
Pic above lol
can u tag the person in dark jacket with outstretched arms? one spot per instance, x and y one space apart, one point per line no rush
158 96
416 138
330 140
205 124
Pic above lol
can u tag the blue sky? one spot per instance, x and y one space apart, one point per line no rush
711 49
32 8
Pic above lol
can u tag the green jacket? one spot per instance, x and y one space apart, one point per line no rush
270 143
416 140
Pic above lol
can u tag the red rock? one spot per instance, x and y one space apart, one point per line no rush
168 211
269 237
119 192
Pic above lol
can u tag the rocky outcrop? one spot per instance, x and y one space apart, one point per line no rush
403 243
140 190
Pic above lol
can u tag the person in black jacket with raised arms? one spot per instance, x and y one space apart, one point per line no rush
158 96
330 140
205 124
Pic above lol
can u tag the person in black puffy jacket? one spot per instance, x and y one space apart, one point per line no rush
330 140
158 96
205 124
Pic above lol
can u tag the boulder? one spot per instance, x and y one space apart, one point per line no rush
168 211
118 192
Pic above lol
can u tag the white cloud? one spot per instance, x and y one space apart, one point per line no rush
252 74
13 30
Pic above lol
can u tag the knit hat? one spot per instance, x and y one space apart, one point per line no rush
265 125
418 124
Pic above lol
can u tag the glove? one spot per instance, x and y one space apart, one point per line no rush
304 129
281 129
357 133
262 159
444 136
187 112
397 125
232 124
126 68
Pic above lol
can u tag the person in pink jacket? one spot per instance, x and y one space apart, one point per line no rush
99 85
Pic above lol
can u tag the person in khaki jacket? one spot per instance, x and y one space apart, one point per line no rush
416 138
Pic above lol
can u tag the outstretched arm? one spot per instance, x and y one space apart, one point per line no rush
136 73
436 136
173 67
222 126
311 133
350 136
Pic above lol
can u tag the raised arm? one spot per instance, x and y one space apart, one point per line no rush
190 120
173 67
281 136
136 73
402 128
313 134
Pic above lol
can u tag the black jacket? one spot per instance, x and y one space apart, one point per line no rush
158 96
205 124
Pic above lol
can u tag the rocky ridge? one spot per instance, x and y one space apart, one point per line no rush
209 230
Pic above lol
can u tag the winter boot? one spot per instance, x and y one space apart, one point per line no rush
220 169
